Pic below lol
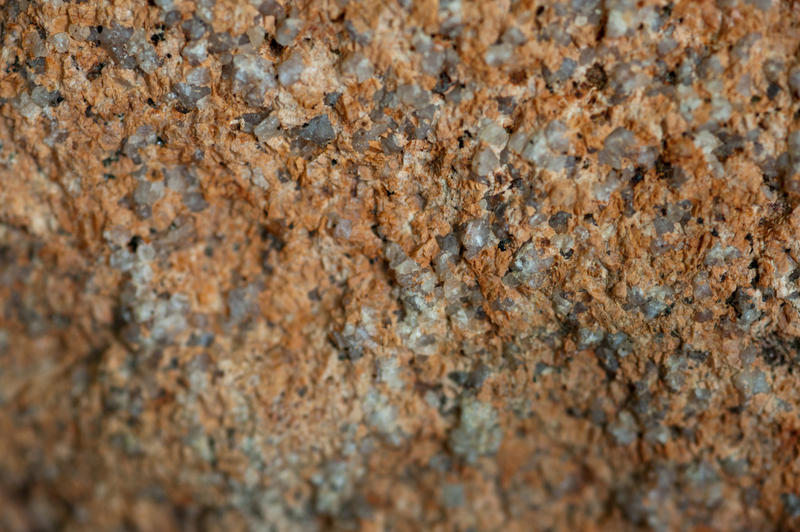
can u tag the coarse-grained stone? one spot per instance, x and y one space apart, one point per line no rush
399 265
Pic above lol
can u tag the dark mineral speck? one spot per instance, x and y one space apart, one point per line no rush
318 130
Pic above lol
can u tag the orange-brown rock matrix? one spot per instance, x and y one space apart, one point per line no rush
399 265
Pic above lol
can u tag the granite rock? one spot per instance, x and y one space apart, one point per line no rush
404 265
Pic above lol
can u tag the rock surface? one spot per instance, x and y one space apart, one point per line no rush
399 265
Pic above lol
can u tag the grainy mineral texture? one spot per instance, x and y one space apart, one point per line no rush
399 265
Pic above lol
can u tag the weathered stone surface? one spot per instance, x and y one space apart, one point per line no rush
404 265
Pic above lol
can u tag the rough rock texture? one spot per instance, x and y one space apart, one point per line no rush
399 265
